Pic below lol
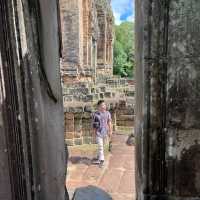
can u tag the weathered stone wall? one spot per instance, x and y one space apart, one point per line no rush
5 186
80 101
31 104
167 106
87 32
71 37
79 33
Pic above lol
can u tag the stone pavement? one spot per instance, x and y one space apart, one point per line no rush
116 177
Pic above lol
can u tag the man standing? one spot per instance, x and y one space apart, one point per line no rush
102 125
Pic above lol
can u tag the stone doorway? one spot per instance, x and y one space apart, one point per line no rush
167 123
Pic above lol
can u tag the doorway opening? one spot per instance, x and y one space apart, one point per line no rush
98 64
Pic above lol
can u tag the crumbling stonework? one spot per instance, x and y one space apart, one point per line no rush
87 68
105 40
79 103
87 32
167 99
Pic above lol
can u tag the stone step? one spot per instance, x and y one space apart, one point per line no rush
126 117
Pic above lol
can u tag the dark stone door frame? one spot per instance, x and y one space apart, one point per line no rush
30 89
14 129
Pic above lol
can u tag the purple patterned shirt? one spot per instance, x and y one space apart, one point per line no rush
105 117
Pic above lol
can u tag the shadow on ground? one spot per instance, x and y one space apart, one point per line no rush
80 160
83 160
117 176
91 193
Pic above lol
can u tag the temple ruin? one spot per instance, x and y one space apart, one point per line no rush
87 69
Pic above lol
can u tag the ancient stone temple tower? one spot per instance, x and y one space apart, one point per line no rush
87 67
87 33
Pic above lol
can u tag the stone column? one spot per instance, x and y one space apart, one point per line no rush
71 20
105 39
107 53
94 59
105 23
109 38
167 99
111 55
90 51
102 38
85 32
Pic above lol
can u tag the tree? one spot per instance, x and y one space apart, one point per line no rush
124 50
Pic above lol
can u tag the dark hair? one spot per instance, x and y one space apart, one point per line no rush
100 102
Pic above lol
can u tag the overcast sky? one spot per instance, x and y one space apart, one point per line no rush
123 10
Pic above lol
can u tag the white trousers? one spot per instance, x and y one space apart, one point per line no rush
100 142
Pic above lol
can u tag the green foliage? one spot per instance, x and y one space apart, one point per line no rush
124 50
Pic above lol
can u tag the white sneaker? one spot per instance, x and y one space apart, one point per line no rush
96 161
101 163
